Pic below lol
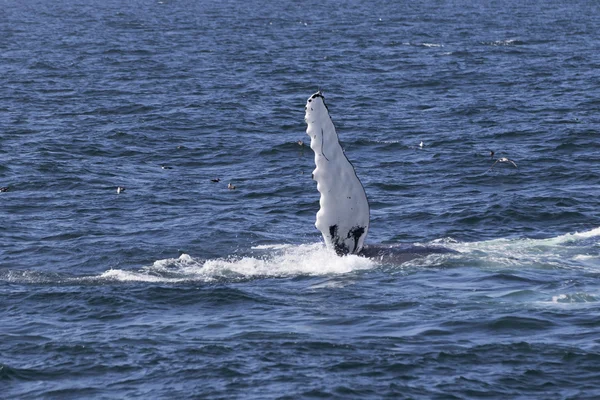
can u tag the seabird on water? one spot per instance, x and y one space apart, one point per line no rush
120 189
230 186
4 189
216 180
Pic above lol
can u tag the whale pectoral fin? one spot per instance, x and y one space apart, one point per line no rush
338 245
333 231
355 234
343 218
349 244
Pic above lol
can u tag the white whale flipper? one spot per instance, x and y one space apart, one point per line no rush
344 215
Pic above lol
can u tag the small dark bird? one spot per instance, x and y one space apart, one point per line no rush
120 189
4 189
491 153
502 160
166 167
300 142
216 180
230 186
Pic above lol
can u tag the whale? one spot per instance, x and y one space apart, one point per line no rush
343 216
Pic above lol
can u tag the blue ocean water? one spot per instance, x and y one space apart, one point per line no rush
180 287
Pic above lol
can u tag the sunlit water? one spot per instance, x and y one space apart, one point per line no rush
180 287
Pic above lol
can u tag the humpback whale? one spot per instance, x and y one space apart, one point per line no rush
343 217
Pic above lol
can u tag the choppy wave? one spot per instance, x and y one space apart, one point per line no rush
159 290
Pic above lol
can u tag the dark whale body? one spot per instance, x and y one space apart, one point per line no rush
400 253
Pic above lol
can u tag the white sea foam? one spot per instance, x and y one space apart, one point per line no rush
270 247
574 298
572 250
280 261
131 276
506 42
580 235
568 250
422 44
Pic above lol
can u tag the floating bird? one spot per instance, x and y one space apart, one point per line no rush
4 189
215 180
230 186
491 153
421 145
503 159
166 167
300 142
120 189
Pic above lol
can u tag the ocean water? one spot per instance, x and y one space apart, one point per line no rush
181 288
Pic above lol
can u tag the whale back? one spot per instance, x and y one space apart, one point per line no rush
343 217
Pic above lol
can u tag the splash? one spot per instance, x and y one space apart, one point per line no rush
277 261
579 250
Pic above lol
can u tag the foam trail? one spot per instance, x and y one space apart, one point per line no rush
568 250
573 250
281 261
578 250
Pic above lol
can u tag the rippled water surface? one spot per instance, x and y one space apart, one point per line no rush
181 288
